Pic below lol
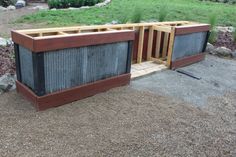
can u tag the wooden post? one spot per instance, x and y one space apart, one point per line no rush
171 45
140 44
158 44
165 45
150 43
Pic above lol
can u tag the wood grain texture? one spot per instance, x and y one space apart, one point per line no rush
170 48
140 45
150 43
62 42
181 30
187 61
73 94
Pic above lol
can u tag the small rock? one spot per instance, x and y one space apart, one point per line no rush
3 42
11 7
40 8
210 48
224 29
3 8
20 4
234 54
103 3
9 42
73 8
7 82
114 22
223 51
85 7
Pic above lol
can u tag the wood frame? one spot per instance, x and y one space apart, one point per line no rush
40 40
73 94
159 38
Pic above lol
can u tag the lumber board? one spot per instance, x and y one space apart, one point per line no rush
171 45
165 45
140 45
166 29
158 44
131 25
150 43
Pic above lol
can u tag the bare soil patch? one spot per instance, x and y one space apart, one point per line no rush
120 122
7 19
225 39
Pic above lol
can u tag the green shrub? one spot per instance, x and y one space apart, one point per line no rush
6 3
124 19
212 22
234 34
222 1
162 13
71 3
137 15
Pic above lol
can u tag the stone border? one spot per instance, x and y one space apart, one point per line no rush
102 4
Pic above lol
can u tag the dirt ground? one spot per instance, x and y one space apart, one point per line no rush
120 122
225 39
7 19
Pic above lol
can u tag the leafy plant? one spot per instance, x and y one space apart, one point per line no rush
6 3
124 19
234 34
137 15
212 22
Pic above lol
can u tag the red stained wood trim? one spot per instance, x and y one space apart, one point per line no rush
187 61
73 94
62 42
181 30
22 40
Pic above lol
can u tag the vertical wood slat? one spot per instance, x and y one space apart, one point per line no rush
171 45
150 43
140 44
165 45
158 44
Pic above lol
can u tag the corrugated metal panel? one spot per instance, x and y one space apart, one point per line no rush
187 45
26 64
72 67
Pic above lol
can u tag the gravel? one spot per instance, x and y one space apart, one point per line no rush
7 60
120 122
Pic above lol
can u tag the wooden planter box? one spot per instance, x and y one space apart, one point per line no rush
60 65
55 68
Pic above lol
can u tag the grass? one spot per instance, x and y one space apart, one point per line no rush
213 23
123 10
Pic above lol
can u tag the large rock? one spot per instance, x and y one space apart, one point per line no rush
39 7
7 83
20 4
103 3
224 29
3 42
234 54
2 8
223 51
210 48
11 7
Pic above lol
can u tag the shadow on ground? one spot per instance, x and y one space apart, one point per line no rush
217 77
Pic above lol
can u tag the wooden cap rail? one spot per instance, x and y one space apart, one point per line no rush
163 33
